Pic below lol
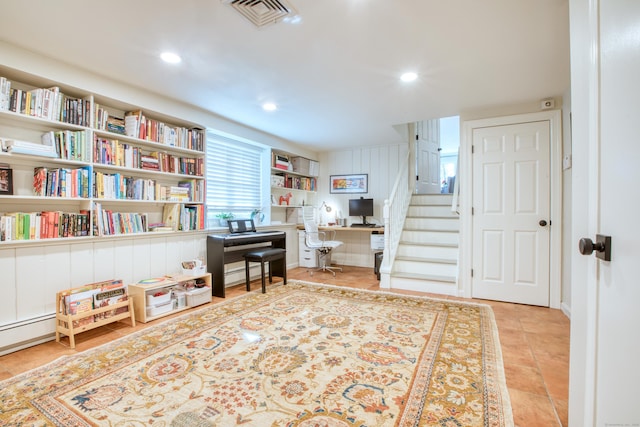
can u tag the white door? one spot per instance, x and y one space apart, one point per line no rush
428 157
605 296
511 213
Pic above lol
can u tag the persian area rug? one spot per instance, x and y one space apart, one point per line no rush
299 355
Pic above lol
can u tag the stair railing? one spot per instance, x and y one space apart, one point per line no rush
456 188
395 212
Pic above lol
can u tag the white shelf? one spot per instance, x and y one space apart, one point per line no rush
24 127
285 189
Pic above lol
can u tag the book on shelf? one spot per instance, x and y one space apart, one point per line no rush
6 179
6 228
159 227
69 145
5 93
78 303
133 123
171 216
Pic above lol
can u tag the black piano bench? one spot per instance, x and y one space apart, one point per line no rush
262 256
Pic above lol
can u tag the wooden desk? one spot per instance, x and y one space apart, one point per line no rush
378 230
357 243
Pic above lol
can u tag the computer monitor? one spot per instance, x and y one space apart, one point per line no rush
361 207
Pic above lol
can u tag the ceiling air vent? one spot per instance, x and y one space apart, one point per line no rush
263 12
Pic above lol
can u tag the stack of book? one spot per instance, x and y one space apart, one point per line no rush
281 162
30 148
149 162
178 194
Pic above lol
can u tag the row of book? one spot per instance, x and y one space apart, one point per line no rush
119 187
92 296
52 104
44 103
82 183
117 153
18 226
137 125
182 217
299 182
109 223
62 182
43 225
69 145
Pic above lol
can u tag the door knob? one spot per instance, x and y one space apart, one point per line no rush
542 223
602 247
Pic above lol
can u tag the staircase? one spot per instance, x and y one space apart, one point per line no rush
427 256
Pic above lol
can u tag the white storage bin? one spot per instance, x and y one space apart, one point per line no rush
180 297
195 271
305 166
156 310
160 299
198 296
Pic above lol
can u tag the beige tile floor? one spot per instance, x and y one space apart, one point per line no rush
534 341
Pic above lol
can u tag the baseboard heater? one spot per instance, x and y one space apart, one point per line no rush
27 333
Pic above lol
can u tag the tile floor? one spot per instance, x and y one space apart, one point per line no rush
534 341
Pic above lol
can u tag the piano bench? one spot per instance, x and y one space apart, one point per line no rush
262 256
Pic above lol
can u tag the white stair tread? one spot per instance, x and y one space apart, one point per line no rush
430 260
429 277
439 245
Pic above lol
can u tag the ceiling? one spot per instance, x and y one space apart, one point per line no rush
334 75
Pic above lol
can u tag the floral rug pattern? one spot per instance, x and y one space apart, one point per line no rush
300 355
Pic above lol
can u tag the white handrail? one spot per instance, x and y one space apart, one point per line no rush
456 187
395 211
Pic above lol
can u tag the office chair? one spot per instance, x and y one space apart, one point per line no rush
317 240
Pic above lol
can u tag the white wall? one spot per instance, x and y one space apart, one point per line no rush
381 164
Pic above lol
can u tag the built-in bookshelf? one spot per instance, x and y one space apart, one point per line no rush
294 180
75 164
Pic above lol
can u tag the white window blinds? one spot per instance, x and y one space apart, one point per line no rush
234 170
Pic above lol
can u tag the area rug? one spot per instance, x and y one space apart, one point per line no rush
300 355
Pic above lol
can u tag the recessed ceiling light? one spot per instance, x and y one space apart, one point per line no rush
269 106
408 77
170 57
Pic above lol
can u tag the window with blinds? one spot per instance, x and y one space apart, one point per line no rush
234 177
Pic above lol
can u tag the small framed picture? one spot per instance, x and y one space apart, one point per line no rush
349 183
6 181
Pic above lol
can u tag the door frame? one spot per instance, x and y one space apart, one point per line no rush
466 197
